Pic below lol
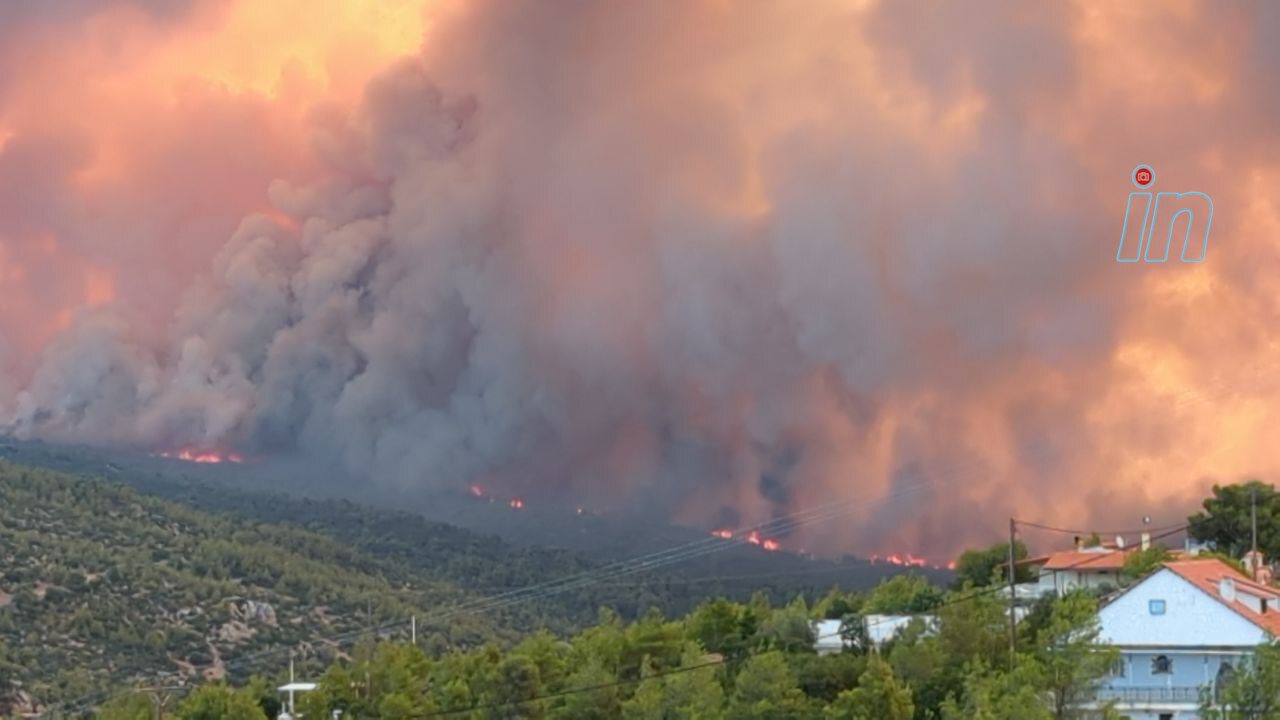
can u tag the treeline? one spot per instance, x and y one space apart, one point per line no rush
726 660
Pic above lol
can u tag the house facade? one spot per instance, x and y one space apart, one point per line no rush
1088 568
1181 630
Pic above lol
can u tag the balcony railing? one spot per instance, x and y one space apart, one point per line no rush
1149 694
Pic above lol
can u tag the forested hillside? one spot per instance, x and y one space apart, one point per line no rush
100 585
471 556
148 577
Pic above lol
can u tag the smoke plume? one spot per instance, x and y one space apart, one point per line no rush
719 259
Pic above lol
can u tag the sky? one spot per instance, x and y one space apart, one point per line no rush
710 259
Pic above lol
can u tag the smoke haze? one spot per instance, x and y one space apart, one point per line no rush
721 260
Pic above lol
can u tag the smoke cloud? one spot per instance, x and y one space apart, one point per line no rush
722 260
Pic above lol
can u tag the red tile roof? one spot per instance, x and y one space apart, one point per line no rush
1096 560
1080 560
1205 575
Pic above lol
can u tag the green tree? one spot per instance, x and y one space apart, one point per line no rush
823 677
879 696
1140 563
128 706
1226 519
996 695
1252 693
854 634
837 603
766 689
597 704
218 702
1072 659
789 629
980 568
903 594
693 694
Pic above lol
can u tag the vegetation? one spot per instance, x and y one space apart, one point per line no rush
1253 692
1227 519
980 568
1139 563
657 668
99 586
181 598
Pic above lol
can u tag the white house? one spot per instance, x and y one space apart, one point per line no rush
1062 572
880 630
1179 630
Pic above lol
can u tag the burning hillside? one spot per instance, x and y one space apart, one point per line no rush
203 457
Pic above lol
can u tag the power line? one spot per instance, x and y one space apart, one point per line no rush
1073 531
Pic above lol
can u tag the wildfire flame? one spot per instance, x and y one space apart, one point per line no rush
910 560
476 490
516 504
753 537
204 457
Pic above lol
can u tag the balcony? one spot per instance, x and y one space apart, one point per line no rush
1144 695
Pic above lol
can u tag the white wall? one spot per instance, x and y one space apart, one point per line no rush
1191 618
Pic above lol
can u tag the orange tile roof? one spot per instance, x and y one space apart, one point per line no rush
1205 575
1106 560
1080 560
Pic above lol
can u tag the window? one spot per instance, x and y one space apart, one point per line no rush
1156 607
1226 673
1119 667
1161 665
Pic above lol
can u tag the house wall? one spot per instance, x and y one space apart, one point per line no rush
1196 632
1192 619
1064 581
1190 669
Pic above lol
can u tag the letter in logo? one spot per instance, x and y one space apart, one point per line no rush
1170 202
1131 248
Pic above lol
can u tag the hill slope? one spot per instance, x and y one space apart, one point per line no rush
543 541
100 584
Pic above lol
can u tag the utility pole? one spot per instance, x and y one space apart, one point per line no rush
1253 503
1013 620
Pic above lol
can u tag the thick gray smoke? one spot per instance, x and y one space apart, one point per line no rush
713 257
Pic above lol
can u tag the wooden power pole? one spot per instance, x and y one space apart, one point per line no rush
1013 619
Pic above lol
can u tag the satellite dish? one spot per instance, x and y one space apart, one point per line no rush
1120 541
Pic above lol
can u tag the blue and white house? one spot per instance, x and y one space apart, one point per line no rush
1185 627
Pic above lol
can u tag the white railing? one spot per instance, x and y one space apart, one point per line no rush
1149 694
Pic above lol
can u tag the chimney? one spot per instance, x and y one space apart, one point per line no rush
1146 541
1227 588
1253 562
1077 543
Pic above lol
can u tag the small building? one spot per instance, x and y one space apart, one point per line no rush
880 630
1091 568
1183 628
